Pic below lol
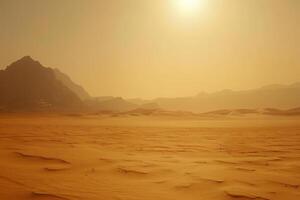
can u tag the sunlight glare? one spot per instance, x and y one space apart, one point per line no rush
188 6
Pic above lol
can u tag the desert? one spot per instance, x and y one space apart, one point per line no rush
149 100
53 157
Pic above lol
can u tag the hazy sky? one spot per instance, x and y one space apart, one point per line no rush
151 48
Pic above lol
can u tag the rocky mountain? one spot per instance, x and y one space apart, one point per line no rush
27 85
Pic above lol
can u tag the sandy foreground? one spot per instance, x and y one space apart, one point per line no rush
149 158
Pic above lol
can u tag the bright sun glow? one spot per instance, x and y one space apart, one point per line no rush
188 6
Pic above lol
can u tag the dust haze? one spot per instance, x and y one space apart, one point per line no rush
143 100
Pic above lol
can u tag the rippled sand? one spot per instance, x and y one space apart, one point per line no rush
148 158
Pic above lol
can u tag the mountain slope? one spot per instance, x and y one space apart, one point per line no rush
27 85
77 89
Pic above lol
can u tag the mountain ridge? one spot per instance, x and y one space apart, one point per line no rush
27 84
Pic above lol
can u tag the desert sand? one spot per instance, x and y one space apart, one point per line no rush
93 157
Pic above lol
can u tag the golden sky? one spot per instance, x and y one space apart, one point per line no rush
156 48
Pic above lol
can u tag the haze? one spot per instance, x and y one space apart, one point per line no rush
149 48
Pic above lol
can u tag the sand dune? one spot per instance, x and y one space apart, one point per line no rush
66 157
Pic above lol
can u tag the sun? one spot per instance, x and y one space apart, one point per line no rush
188 6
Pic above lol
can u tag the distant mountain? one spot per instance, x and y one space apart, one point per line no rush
139 101
104 98
27 85
150 106
116 104
276 96
77 89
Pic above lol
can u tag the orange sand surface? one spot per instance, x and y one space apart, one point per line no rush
60 157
